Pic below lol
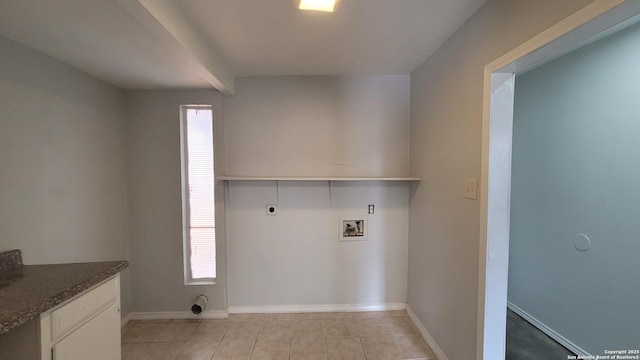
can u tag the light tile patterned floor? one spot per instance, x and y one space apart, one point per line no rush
382 335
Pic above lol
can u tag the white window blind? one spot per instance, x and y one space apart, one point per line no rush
198 194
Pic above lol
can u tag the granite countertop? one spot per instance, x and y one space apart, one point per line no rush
26 291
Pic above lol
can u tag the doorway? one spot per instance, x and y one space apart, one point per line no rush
574 206
594 21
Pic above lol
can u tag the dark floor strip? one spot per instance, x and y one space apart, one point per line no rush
526 342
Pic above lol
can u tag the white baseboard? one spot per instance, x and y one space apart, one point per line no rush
125 319
425 334
314 308
547 330
164 315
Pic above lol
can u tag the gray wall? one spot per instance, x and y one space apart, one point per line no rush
155 205
295 258
318 126
322 126
575 170
446 118
62 162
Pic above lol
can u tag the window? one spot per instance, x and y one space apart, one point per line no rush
198 202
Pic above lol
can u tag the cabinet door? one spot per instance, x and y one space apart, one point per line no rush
98 339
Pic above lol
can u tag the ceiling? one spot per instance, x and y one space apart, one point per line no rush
149 44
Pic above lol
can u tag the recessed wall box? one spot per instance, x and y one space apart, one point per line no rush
272 209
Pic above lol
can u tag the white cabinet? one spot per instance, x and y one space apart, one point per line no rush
94 340
85 327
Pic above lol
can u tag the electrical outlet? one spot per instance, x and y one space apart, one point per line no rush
272 209
471 189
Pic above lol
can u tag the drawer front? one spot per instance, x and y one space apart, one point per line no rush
99 339
78 311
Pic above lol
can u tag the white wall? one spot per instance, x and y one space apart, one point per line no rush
155 220
306 126
295 258
314 126
576 130
446 117
62 162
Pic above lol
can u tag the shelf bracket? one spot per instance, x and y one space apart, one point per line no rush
330 194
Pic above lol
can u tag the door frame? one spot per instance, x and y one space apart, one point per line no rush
594 21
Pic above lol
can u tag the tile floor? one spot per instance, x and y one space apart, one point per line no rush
307 336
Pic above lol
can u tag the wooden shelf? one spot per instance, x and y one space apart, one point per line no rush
315 178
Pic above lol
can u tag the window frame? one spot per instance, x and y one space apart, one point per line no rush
184 185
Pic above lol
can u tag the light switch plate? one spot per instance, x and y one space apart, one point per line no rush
471 189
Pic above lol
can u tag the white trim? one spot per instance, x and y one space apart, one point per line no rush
549 331
220 314
165 315
315 178
517 59
314 308
425 334
497 116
